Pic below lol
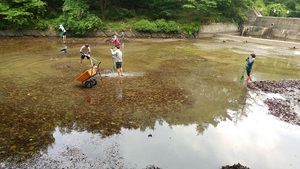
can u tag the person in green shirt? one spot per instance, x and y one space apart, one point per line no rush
63 33
248 67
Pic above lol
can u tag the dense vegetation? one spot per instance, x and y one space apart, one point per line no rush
80 16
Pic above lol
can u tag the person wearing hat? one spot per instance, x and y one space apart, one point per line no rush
248 67
85 51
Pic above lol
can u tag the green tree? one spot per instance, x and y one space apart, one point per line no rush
18 14
277 9
53 8
220 10
287 8
163 8
261 7
77 18
103 5
293 7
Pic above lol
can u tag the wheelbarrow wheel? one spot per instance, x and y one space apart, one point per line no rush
88 84
94 82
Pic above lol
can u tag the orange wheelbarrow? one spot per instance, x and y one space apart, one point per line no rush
88 77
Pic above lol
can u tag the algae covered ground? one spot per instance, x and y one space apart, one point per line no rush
179 105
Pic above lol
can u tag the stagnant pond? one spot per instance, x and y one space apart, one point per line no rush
179 105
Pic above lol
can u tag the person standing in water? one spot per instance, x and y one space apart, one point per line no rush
85 51
117 55
63 33
116 40
248 67
122 37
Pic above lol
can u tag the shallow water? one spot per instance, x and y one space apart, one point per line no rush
183 93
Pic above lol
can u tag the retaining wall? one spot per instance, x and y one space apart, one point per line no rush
214 28
206 31
271 27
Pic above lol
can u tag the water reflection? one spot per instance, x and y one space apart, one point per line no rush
180 146
181 93
119 89
227 143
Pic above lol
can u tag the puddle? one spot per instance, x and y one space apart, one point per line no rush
234 139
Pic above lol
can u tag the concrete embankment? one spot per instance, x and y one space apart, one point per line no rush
271 27
258 40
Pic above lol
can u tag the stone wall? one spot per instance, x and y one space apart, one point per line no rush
206 31
128 34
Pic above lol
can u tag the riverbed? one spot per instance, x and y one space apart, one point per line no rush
180 104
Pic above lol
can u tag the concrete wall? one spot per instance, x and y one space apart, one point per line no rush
212 29
271 27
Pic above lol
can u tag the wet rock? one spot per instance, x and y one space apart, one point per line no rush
152 167
284 109
235 166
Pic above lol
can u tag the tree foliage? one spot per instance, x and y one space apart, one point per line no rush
277 9
15 14
286 8
80 16
77 18
164 8
220 10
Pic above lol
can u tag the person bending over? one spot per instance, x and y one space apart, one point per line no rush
85 51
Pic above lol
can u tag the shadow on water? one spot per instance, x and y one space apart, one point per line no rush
173 82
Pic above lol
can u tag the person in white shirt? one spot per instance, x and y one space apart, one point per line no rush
85 51
63 32
117 55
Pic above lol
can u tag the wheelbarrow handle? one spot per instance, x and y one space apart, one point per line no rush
99 64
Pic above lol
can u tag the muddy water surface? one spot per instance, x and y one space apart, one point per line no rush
179 105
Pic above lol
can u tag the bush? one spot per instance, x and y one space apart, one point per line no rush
166 27
190 28
162 25
81 26
145 26
172 27
159 25
118 26
42 24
